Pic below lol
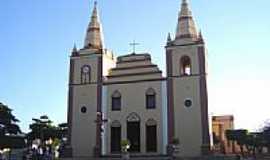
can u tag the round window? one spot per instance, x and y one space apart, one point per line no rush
83 109
188 103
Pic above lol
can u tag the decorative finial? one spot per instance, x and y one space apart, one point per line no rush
74 50
94 14
200 37
184 1
169 39
185 11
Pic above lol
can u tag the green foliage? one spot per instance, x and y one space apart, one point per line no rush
266 136
62 130
230 135
43 128
175 141
9 129
11 142
239 136
125 144
56 142
8 121
254 141
216 140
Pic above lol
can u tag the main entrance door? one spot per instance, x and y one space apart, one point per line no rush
133 135
133 132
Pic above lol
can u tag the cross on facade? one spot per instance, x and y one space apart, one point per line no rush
100 121
134 44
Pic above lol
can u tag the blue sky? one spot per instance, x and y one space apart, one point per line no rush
36 38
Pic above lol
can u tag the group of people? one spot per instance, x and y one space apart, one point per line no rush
3 156
39 153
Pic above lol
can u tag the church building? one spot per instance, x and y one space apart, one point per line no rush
127 98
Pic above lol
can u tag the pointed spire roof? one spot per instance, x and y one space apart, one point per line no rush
186 27
94 35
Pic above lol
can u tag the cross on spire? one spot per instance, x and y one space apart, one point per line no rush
134 44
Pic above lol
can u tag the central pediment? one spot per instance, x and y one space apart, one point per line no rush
134 67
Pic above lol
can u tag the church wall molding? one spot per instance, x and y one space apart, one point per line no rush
134 74
135 67
135 60
135 81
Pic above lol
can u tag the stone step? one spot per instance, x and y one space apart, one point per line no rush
138 158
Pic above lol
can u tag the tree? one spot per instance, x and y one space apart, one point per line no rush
42 129
231 137
254 142
239 136
266 136
216 140
8 121
62 130
9 130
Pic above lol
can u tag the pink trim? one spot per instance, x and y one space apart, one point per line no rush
170 98
70 101
99 103
204 102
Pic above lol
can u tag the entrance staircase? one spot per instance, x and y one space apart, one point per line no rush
141 157
138 157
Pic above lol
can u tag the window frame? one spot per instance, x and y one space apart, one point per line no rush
116 101
150 99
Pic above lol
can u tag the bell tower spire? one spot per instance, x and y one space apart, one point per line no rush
94 35
186 60
186 28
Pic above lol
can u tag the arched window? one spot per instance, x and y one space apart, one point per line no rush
150 96
116 101
185 66
85 74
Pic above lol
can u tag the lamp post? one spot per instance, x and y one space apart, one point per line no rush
100 122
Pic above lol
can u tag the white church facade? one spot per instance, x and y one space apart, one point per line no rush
127 98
